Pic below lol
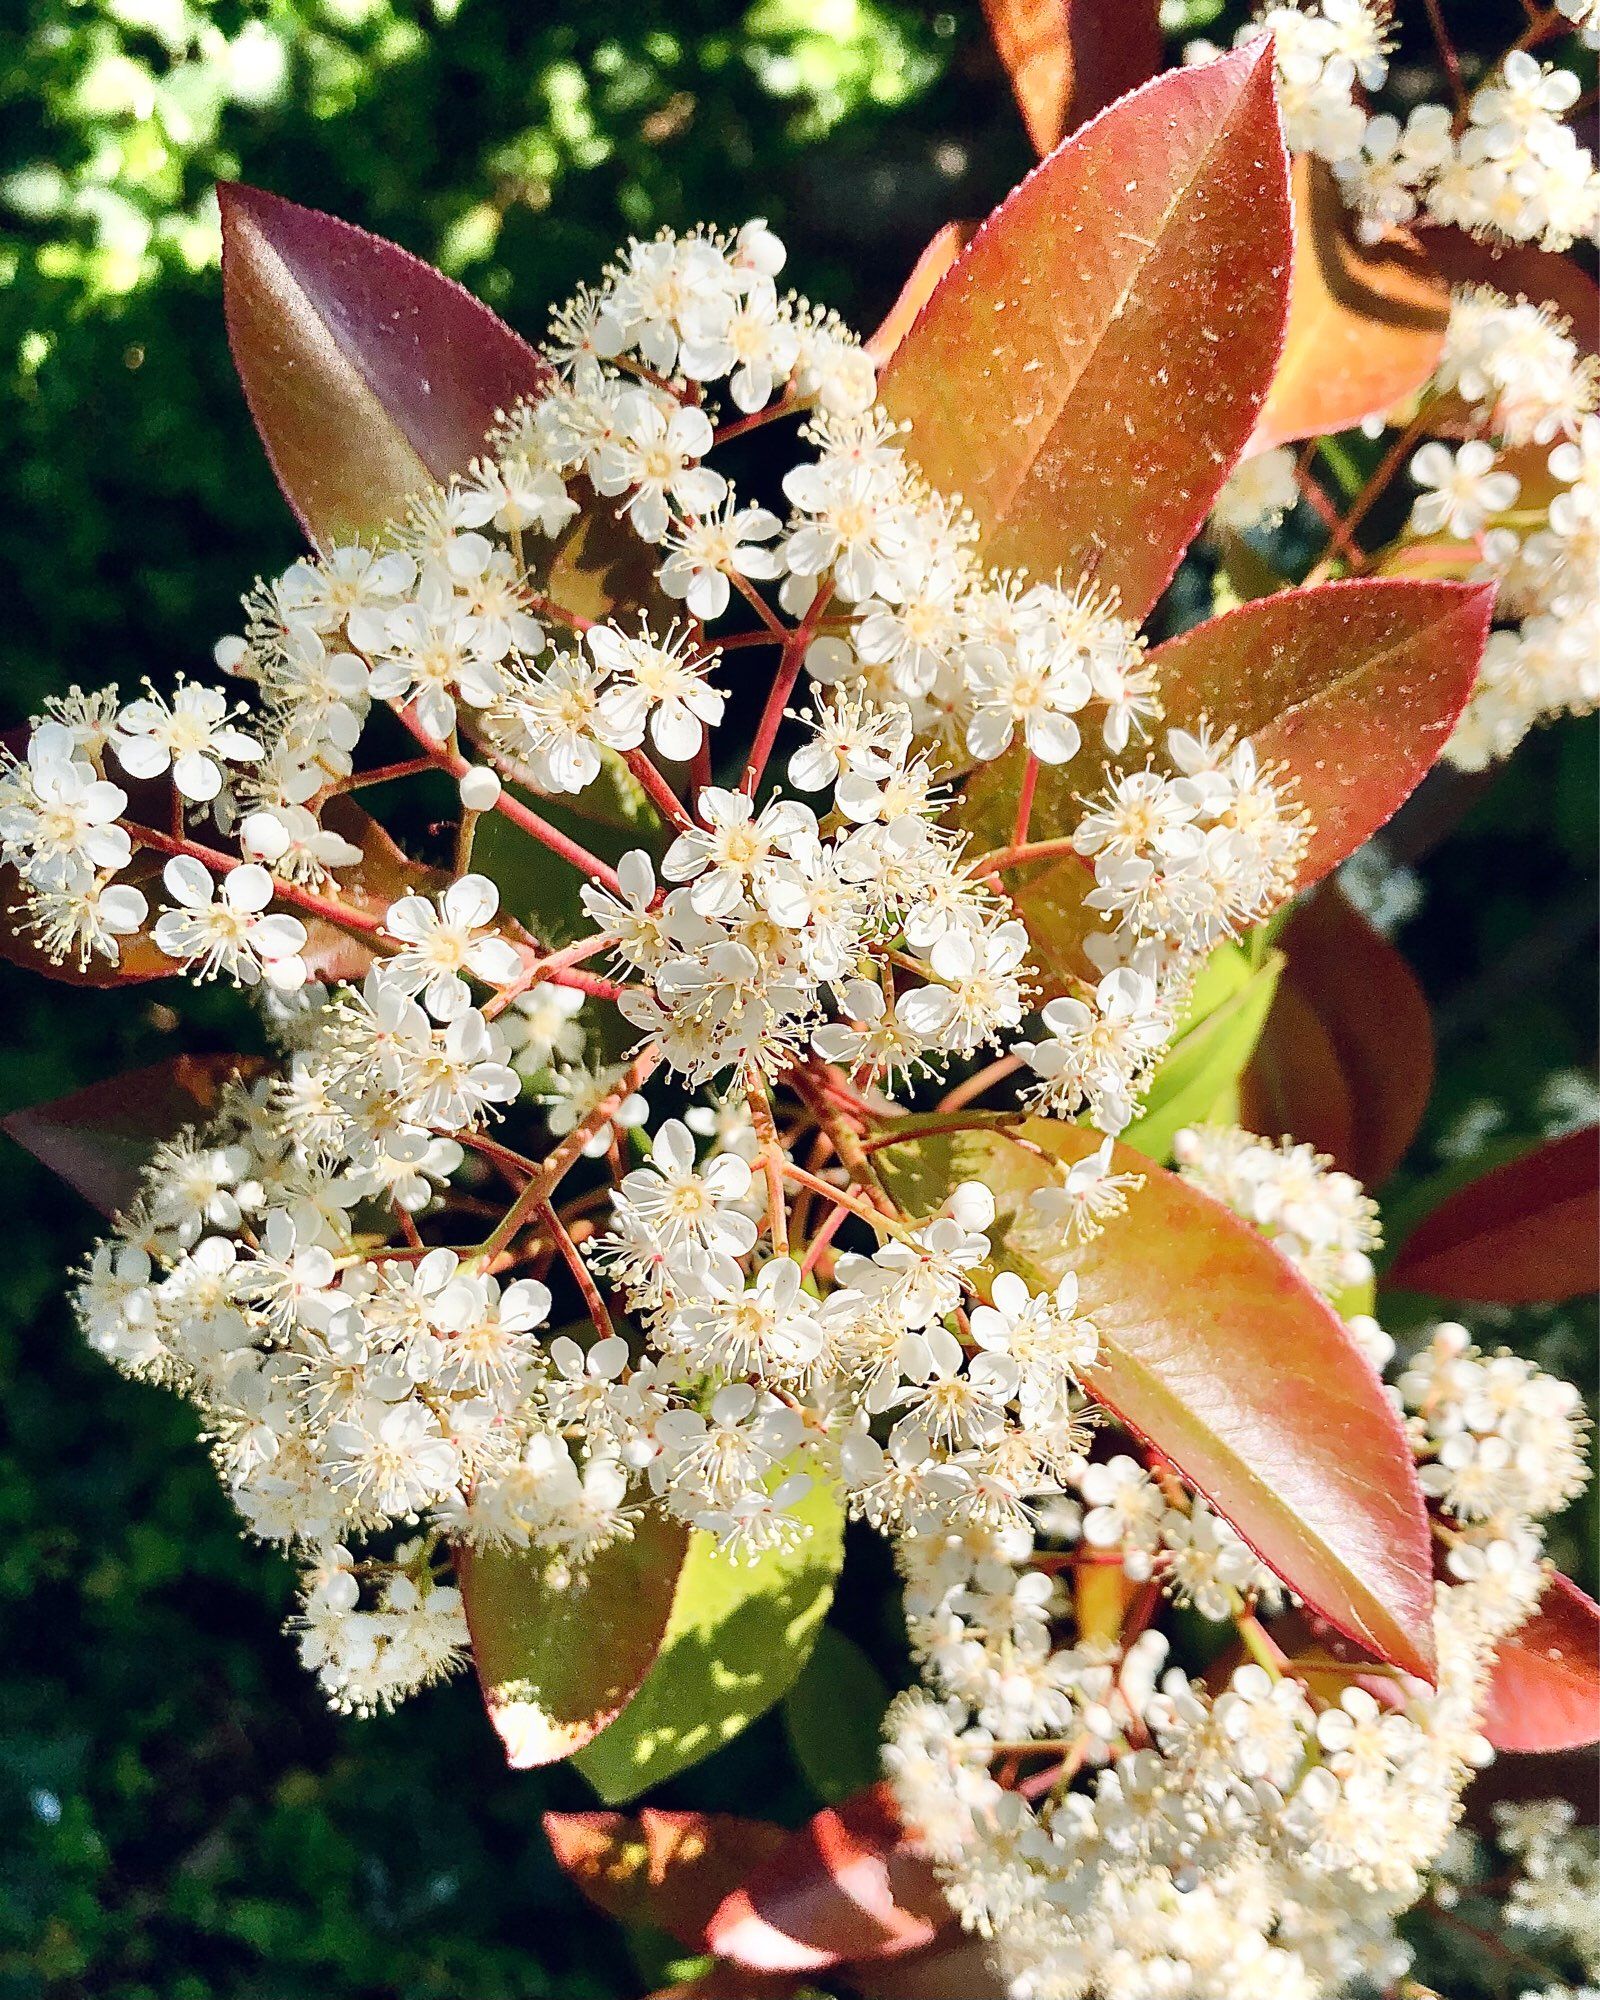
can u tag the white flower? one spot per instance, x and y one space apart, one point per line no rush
682 1204
655 682
653 456
58 818
440 945
704 552
750 339
1465 490
227 932
195 735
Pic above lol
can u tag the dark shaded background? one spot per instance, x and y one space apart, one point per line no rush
178 1815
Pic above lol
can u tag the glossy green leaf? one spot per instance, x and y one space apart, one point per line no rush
1216 1351
1198 1078
558 1653
1092 364
833 1716
738 1635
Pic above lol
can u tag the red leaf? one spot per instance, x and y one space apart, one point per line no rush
669 1869
139 960
369 374
914 294
1090 367
99 1140
954 1968
1522 1234
846 1886
1521 270
1366 1006
1354 686
560 1655
1068 59
1217 1352
1366 322
1294 1083
1545 1691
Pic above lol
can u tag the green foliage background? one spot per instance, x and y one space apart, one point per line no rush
181 1819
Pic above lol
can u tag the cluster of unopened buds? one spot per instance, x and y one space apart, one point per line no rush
779 964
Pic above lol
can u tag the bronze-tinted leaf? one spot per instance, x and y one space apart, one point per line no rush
1523 1233
668 1869
1068 59
1366 321
1367 1009
369 374
942 251
559 1654
1294 1083
99 1140
140 959
1216 1351
846 1886
1354 686
1545 1691
1090 367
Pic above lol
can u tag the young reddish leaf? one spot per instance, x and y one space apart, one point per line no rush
952 1968
1365 1003
1068 59
1521 1234
369 374
1216 1351
669 1869
1354 686
559 1655
846 1886
139 960
99 1140
1294 1083
1366 321
1090 367
1521 270
1545 1690
914 294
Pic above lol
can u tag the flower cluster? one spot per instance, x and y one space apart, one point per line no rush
800 950
1510 169
1517 368
1182 858
1321 1220
1119 1827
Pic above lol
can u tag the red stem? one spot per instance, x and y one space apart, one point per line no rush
794 653
519 815
286 892
643 767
